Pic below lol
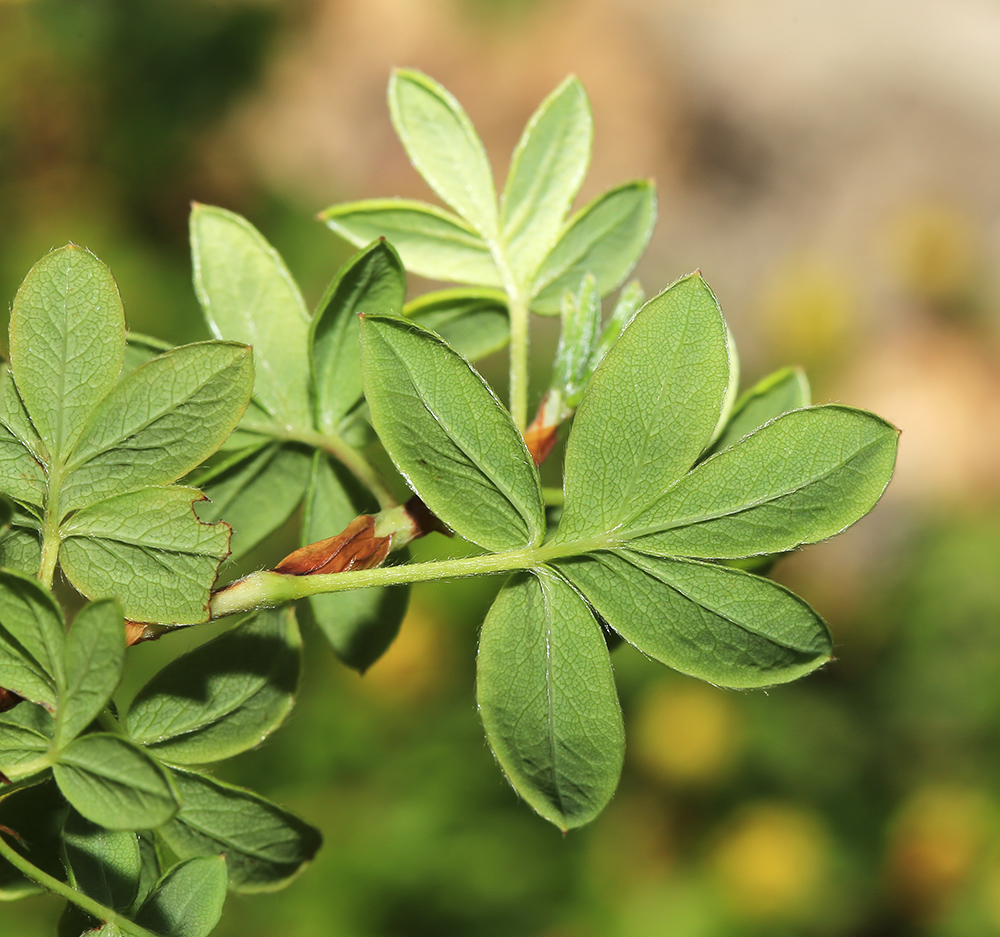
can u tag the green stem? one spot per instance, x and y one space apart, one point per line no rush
356 463
519 319
268 589
81 900
50 527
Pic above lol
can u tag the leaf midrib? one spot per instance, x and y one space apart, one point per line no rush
749 506
497 485
635 560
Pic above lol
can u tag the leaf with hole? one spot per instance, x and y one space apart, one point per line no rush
150 544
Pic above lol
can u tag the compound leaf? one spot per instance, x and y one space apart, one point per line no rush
547 698
160 421
372 281
798 479
649 409
225 696
104 864
249 296
161 560
715 623
450 437
605 238
67 341
32 639
114 783
546 173
95 656
188 900
473 321
431 242
264 845
443 145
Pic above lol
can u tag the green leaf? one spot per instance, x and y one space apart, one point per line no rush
443 145
25 738
546 173
799 479
95 657
255 492
35 814
629 301
32 637
104 864
547 698
21 476
604 238
114 783
581 321
264 845
149 547
450 437
248 296
473 321
149 871
67 340
715 623
784 390
431 242
21 549
14 417
141 348
225 696
360 624
372 281
160 421
649 410
188 900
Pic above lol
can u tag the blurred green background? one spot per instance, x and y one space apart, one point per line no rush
832 169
